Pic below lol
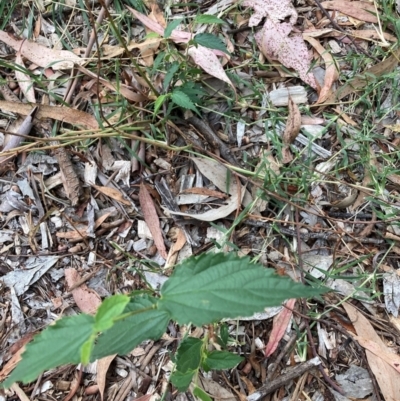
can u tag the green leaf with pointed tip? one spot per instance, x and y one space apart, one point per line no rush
159 102
211 41
211 287
182 380
217 360
183 100
171 26
124 335
208 19
200 393
189 354
109 309
57 345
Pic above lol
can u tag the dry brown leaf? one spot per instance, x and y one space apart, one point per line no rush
82 232
151 219
386 376
42 56
204 191
292 129
65 114
293 123
86 299
112 193
24 80
371 34
122 89
357 84
102 368
331 71
358 9
69 177
175 248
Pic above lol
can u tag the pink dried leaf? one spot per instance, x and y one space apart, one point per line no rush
205 58
275 10
86 299
331 69
274 41
176 36
208 61
281 321
41 55
24 80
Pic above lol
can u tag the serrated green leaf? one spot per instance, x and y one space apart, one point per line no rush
126 334
211 41
57 345
109 309
182 380
217 360
189 354
170 73
159 102
200 393
208 19
211 287
171 26
183 100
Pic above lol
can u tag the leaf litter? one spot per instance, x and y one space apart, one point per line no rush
289 106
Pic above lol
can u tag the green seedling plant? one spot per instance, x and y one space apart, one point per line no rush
201 290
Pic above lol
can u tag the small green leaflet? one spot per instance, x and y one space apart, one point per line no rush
170 73
171 26
200 393
182 380
189 354
208 19
211 41
188 361
126 334
182 100
57 345
211 287
159 102
218 360
110 308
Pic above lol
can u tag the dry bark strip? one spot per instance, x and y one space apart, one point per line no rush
290 375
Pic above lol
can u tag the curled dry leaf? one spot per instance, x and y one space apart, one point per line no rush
293 123
276 10
85 298
292 130
217 174
331 69
274 41
152 220
361 10
24 80
40 55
